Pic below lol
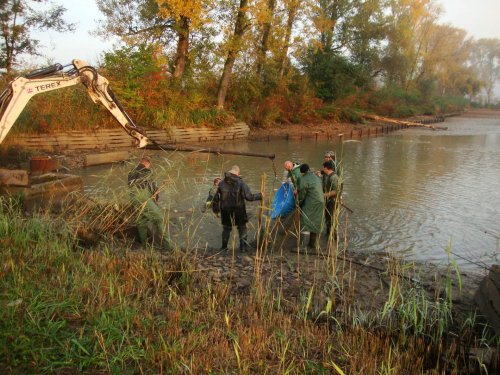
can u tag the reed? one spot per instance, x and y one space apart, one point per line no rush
76 296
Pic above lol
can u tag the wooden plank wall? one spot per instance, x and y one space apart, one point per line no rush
103 139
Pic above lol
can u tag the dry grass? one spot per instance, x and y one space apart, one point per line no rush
107 308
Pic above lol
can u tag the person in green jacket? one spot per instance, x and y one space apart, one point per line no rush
144 196
311 203
330 186
293 172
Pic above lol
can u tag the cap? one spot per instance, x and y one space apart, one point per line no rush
330 154
235 170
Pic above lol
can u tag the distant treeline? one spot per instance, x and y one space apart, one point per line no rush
204 62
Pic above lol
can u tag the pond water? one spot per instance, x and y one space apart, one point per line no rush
414 191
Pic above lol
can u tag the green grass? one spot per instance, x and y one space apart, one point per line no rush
65 308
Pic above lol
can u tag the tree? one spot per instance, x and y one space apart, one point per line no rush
267 18
233 48
485 59
19 19
410 23
139 80
333 76
291 8
157 22
187 15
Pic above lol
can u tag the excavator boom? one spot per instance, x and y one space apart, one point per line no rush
22 89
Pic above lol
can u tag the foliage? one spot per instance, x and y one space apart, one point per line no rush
139 81
395 101
485 58
195 10
271 61
19 19
332 75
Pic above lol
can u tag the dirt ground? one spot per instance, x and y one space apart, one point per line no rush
362 280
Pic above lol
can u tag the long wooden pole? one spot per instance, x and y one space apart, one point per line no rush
209 150
402 122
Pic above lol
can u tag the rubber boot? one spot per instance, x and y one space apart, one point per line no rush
312 240
226 233
243 234
142 231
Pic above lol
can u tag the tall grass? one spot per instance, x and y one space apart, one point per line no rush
103 306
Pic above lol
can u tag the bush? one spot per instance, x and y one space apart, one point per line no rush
333 76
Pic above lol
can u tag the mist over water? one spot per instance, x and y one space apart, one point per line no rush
413 192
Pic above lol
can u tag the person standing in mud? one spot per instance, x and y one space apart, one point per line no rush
144 194
330 185
211 193
311 203
229 201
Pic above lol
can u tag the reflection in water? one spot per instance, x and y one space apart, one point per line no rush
412 192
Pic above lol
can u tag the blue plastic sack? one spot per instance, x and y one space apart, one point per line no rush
283 201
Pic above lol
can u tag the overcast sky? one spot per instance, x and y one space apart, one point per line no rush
481 19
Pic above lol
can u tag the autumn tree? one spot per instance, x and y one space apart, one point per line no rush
187 15
266 19
291 10
135 22
19 20
233 45
410 22
485 58
444 53
156 21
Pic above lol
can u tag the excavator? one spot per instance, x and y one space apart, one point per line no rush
21 89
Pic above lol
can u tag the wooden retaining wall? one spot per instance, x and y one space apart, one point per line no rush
118 138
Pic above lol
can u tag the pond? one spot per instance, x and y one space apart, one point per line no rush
415 192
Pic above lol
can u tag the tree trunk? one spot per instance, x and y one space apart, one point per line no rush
234 48
266 31
292 13
182 47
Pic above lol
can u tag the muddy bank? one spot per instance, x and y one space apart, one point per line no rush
362 280
335 130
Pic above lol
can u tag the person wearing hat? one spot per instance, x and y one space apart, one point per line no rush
229 201
311 203
144 195
330 156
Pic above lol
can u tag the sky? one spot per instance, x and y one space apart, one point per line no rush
481 19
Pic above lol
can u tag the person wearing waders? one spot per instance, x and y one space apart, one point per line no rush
330 185
144 195
229 201
311 203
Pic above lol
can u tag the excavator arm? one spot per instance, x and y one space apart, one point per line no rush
22 89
